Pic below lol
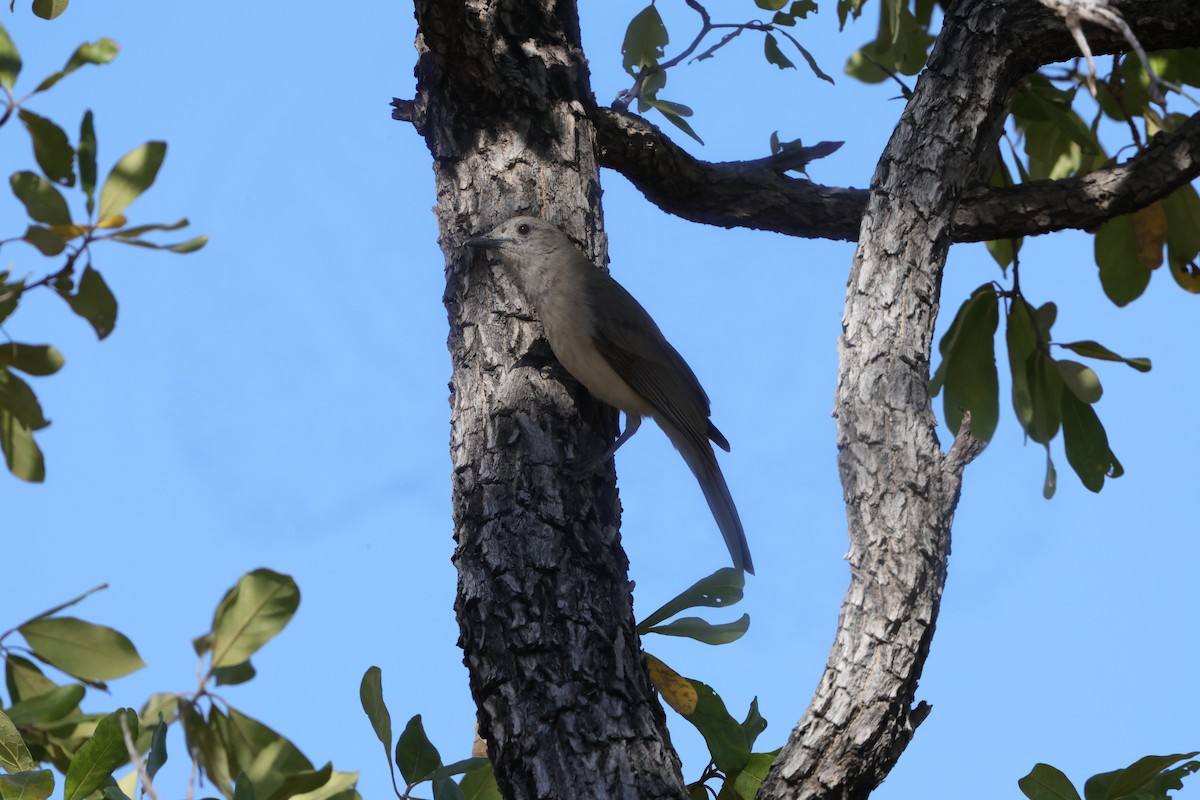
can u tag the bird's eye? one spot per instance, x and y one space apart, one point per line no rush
524 229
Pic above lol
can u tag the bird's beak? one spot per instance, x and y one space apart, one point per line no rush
489 242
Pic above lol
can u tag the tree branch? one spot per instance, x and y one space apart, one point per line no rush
749 194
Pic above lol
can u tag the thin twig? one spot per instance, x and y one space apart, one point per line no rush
147 784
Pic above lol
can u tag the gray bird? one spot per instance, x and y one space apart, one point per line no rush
608 342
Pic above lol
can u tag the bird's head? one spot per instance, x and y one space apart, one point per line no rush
521 239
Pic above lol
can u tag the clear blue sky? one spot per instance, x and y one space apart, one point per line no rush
280 400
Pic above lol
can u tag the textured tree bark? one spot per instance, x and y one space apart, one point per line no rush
543 604
747 194
900 490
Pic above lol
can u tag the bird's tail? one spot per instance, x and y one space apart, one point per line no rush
701 459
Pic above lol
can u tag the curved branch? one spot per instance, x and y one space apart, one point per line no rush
748 194
900 490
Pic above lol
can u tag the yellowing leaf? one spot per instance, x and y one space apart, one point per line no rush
675 689
115 221
1150 232
70 231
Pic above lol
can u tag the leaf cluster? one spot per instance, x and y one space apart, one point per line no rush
1148 778
417 758
44 724
736 768
646 39
1049 394
56 233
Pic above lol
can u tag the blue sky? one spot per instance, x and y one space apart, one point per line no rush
279 399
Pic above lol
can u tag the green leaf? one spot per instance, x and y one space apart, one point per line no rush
87 160
1183 221
251 614
1046 391
480 784
674 113
1122 275
157 756
49 9
250 743
243 788
43 359
770 5
1086 444
10 295
21 453
645 39
747 782
753 724
1081 380
82 649
446 789
1050 484
17 398
93 301
1091 349
232 676
14 755
202 739
415 754
33 785
340 786
721 589
724 736
42 201
703 631
132 175
129 233
968 370
1045 782
303 782
47 707
1183 236
1135 777
458 768
774 54
102 753
812 62
23 679
370 694
1021 336
100 51
45 240
190 246
10 60
51 148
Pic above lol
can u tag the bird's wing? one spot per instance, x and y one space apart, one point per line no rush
649 364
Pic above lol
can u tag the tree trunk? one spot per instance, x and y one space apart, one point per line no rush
544 606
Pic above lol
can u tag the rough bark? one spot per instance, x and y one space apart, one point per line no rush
543 605
900 490
749 195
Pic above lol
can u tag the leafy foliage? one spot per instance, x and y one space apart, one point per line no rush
646 39
416 757
733 763
43 722
1149 778
56 232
